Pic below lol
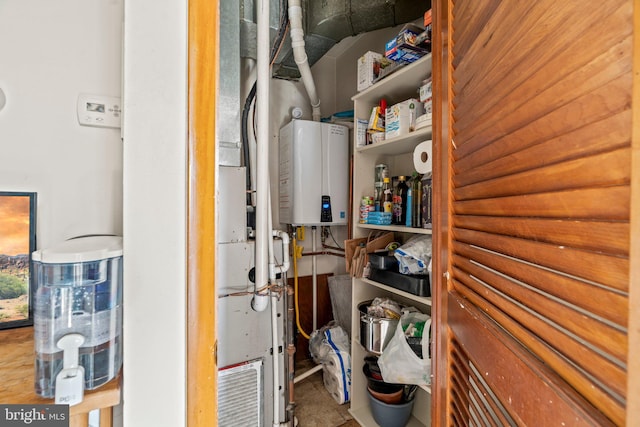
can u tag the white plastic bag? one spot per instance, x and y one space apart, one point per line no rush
330 347
398 363
414 256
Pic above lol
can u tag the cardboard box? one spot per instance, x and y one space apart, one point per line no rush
361 132
368 69
400 118
376 120
404 52
426 91
424 39
425 119
402 48
428 18
376 137
408 34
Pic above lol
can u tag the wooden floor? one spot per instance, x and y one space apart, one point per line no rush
315 406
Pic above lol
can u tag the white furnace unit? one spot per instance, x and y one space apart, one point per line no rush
314 173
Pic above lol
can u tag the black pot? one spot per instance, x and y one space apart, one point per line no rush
375 382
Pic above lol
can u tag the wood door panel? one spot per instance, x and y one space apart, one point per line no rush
536 158
609 271
554 177
588 330
501 158
542 96
477 406
606 203
604 368
610 404
521 384
520 126
608 236
484 49
591 298
547 68
475 15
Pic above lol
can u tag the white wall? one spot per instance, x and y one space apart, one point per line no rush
155 96
51 51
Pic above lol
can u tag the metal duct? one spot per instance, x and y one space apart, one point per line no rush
228 111
325 23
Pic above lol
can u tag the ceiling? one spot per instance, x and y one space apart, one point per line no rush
326 22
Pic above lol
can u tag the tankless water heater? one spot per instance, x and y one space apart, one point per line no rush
314 173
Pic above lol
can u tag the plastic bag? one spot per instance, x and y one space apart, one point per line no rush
398 362
414 256
330 347
384 308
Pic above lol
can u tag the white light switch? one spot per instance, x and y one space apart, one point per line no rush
100 111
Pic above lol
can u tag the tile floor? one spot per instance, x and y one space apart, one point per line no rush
315 406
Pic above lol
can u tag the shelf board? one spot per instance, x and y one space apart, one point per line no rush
416 298
400 144
363 416
398 228
401 83
426 388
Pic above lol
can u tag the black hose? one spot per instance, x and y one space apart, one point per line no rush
245 138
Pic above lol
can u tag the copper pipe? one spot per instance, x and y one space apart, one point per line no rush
333 247
291 351
322 253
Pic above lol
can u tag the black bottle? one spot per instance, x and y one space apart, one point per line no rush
400 201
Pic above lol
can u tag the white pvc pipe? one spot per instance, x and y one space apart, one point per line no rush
273 268
300 56
263 204
270 234
260 301
308 373
285 253
314 278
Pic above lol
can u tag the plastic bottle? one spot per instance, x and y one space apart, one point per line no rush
387 204
381 171
400 201
378 198
408 214
382 111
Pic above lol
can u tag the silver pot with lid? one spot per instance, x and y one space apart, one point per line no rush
375 332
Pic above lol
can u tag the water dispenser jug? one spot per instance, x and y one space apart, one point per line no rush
78 316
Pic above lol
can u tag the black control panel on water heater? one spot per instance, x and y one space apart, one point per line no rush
325 213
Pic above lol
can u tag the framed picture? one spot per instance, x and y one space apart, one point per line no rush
17 242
